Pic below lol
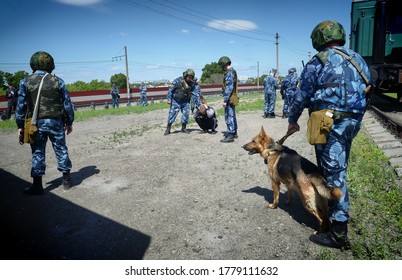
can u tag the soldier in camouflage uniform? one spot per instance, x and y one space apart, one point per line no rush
230 98
288 89
55 117
329 80
270 86
143 95
114 92
178 97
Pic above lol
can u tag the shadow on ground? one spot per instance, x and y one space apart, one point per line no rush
296 210
49 227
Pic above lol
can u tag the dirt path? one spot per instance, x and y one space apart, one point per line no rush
141 195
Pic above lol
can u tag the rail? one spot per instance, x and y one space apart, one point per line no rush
100 97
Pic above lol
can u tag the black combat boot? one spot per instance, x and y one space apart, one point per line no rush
66 181
183 128
169 126
228 138
36 187
265 115
337 237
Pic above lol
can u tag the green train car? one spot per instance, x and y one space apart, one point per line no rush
376 34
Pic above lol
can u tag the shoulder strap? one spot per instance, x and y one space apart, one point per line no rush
35 112
354 63
322 57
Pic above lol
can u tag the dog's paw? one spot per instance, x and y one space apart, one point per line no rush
272 206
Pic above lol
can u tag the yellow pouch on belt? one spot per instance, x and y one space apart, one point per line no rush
318 126
30 131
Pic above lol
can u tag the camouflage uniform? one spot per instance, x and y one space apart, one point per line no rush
230 86
179 95
143 95
196 96
270 86
334 83
114 91
288 88
54 97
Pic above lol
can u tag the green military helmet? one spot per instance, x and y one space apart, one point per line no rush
327 31
42 61
189 72
223 61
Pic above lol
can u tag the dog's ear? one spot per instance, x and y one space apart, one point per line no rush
262 132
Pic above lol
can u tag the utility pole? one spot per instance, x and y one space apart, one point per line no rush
277 56
258 74
127 80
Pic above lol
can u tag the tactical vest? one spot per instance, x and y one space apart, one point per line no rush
339 85
183 92
50 101
233 97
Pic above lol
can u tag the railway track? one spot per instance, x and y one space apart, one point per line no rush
388 114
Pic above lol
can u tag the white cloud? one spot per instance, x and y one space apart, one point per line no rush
123 34
185 31
232 24
79 2
231 42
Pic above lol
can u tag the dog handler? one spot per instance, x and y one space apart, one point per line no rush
331 81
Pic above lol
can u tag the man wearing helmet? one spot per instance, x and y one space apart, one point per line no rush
230 98
178 97
143 95
55 116
331 81
114 92
270 86
288 89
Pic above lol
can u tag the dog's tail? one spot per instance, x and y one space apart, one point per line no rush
320 185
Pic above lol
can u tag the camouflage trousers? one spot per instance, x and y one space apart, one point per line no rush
333 158
143 99
269 102
52 129
287 103
115 102
230 118
177 106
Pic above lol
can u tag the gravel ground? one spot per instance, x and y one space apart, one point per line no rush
141 195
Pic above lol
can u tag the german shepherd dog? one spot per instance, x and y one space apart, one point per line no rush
298 174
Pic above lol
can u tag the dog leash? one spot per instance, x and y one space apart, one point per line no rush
280 142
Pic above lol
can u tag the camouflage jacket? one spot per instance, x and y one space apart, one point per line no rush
332 83
54 97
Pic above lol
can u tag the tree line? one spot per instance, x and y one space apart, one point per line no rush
212 74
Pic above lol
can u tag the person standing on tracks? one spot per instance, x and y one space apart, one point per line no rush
332 81
288 89
114 92
55 118
143 95
230 98
270 86
178 97
11 96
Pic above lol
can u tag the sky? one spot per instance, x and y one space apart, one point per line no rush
88 39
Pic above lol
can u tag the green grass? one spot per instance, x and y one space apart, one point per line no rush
375 190
376 203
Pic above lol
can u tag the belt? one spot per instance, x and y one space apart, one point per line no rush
337 115
328 85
